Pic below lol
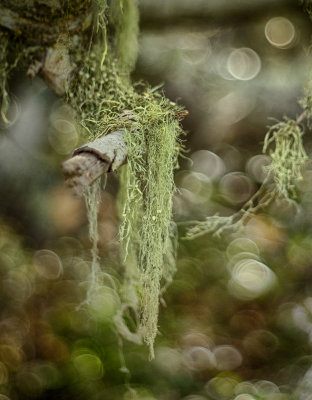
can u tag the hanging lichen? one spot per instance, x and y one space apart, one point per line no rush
287 156
153 148
92 197
106 101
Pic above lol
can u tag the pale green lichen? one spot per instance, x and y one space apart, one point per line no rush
217 225
214 225
106 101
284 144
153 149
92 197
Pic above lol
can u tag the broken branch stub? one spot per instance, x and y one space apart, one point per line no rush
93 159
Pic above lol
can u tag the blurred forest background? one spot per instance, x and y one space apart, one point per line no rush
236 323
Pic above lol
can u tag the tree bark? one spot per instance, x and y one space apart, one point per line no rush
40 22
92 160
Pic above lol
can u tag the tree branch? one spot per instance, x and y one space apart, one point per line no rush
92 160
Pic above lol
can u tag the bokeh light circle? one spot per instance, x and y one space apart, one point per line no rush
279 32
199 358
244 396
244 64
251 279
89 366
227 357
207 163
236 187
48 264
242 244
256 167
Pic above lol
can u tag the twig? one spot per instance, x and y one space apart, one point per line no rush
302 117
94 159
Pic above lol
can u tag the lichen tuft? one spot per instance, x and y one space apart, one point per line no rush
283 141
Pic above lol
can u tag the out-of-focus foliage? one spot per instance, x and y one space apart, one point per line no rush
236 322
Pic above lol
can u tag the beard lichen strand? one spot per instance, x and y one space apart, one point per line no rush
147 210
92 196
161 160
